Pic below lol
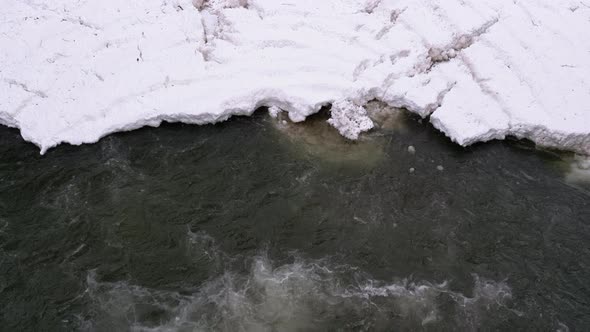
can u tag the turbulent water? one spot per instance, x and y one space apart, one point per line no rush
263 225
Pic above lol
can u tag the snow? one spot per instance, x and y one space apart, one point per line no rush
76 70
349 119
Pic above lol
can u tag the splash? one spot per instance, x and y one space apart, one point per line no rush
302 294
579 170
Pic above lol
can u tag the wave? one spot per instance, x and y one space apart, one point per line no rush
304 294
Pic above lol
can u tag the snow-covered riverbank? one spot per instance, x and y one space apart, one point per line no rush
75 71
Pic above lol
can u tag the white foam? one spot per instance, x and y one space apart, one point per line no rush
579 170
290 297
75 71
304 294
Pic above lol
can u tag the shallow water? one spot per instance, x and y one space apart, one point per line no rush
245 226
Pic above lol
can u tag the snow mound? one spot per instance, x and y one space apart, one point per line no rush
350 119
76 70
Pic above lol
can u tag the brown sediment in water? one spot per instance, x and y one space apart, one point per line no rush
386 117
316 138
578 169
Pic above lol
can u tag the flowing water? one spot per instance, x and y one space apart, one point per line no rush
260 225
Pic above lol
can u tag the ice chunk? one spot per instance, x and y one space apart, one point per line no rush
349 119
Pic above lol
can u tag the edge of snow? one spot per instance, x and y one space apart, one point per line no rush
76 71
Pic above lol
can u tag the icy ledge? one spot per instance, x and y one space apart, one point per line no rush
76 70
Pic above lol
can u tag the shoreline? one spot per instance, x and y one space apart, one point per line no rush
74 73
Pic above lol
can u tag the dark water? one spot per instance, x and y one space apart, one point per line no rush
243 227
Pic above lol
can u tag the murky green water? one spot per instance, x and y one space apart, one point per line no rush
249 226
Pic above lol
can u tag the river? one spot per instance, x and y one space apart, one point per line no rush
258 225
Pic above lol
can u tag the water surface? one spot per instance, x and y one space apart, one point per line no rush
247 226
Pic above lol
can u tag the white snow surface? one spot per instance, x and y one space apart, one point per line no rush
349 119
76 70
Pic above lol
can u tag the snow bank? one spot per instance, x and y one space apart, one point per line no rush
74 71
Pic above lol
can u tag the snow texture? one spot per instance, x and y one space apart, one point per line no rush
76 70
349 119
